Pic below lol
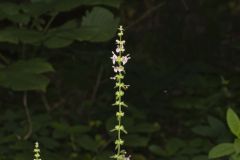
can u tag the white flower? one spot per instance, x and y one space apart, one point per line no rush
113 78
118 69
125 59
120 28
128 158
120 42
114 58
120 48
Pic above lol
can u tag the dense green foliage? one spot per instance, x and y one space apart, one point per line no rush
55 67
229 149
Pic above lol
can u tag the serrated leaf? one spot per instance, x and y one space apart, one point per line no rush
97 26
233 122
221 150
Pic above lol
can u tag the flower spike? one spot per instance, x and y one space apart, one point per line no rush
36 152
119 61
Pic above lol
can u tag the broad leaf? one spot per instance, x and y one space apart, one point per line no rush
66 5
221 150
97 26
26 75
15 35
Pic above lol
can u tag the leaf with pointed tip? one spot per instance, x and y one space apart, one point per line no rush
221 150
233 122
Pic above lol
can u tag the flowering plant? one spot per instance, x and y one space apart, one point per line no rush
119 60
36 152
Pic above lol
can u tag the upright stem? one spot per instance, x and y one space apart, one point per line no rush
119 61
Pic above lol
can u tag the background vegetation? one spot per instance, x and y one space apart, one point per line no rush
55 69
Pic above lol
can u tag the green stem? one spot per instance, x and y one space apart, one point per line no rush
119 106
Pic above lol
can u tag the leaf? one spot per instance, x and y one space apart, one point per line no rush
233 122
144 128
67 5
15 35
57 42
203 130
174 145
200 157
221 150
237 146
98 25
78 129
26 75
136 141
34 66
157 150
48 142
87 143
216 125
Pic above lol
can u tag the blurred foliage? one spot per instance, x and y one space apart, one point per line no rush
55 69
228 149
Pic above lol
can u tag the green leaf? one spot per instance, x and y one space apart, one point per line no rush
67 5
221 150
144 128
78 129
233 122
34 66
15 35
136 140
174 145
155 149
200 157
26 75
48 142
237 146
87 143
98 25
57 42
203 130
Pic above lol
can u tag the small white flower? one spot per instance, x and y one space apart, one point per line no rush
113 78
120 28
114 58
120 42
118 69
128 158
120 48
125 59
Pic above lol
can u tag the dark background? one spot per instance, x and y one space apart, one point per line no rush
55 67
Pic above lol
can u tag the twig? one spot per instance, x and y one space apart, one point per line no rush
95 89
145 15
185 5
25 104
4 59
49 22
45 102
